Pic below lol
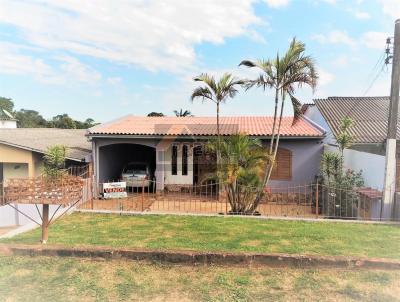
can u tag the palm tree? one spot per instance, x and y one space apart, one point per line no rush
242 165
216 91
182 113
284 75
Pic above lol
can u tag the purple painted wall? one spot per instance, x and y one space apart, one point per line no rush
306 158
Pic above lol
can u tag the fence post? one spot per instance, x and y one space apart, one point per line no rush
316 200
142 194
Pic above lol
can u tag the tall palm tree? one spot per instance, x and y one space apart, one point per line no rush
182 113
284 75
216 91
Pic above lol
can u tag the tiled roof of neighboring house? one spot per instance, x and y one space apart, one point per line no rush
204 126
39 139
370 116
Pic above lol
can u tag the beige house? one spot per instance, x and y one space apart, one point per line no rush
22 149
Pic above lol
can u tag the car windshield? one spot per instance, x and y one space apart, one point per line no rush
135 169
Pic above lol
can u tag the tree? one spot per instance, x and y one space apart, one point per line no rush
7 104
88 123
241 169
344 138
284 75
182 113
156 114
54 162
30 119
62 121
217 92
341 198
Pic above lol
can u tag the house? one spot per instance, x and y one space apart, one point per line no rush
22 149
7 120
174 147
370 116
21 156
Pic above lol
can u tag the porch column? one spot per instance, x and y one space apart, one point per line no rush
160 168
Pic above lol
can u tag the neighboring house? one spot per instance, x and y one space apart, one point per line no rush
21 156
22 149
370 116
174 147
7 120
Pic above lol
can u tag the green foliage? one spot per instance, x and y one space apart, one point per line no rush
54 162
156 114
341 199
216 91
331 165
30 119
7 104
284 74
241 169
62 121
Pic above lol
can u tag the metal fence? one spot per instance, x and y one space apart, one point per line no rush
303 201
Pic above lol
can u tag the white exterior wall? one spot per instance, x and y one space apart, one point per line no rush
179 178
371 165
8 124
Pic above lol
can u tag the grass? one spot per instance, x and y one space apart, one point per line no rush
69 279
233 234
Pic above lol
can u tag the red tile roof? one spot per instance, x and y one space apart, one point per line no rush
204 126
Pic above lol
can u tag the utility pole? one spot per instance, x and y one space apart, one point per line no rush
390 163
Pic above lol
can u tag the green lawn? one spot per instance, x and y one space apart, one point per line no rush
71 279
233 234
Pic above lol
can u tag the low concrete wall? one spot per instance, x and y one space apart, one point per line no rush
205 258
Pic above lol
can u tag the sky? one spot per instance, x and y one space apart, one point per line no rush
108 58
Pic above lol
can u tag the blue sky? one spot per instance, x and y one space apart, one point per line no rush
105 59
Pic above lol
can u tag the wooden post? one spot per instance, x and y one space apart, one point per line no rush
45 223
316 200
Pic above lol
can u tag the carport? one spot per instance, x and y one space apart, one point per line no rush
114 157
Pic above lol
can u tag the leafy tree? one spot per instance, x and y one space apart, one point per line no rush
156 114
7 104
54 162
241 170
284 74
30 119
88 123
341 200
182 113
62 121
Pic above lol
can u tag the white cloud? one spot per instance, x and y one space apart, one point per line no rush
371 39
391 8
114 80
65 68
374 40
361 15
150 34
72 68
335 37
277 3
325 77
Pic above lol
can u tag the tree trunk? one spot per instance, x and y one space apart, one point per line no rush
277 140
